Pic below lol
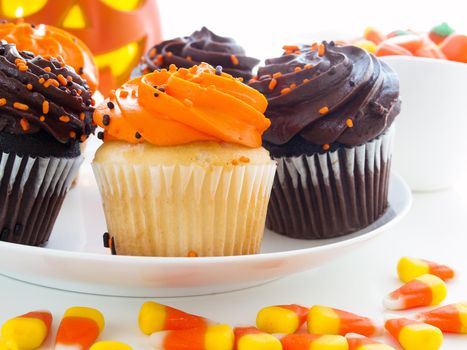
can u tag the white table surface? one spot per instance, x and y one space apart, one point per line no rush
434 229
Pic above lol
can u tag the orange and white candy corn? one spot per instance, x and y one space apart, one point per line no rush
110 345
411 268
155 317
28 331
251 338
415 335
215 337
314 342
284 319
360 342
424 290
450 318
79 328
326 320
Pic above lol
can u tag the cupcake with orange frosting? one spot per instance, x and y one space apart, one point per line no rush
182 171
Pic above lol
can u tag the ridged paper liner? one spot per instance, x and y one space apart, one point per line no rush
174 210
32 191
331 194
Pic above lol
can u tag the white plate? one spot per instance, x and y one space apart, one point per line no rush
75 259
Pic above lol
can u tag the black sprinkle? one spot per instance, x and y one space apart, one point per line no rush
156 94
218 70
332 70
46 76
155 86
332 43
17 230
33 25
110 105
100 135
5 232
80 71
106 238
74 93
113 249
106 119
161 89
69 83
137 135
63 88
88 102
352 83
2 50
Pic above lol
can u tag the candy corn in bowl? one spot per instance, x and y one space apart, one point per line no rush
182 171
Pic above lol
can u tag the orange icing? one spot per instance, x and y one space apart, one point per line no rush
46 41
196 104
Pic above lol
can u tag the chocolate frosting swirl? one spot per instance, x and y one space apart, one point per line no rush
327 95
42 95
201 46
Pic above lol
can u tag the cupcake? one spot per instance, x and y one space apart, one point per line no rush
45 112
182 171
48 41
331 109
201 46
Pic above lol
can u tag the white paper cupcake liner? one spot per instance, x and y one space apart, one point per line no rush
32 191
331 194
175 210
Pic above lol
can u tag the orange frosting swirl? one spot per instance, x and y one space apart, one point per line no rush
179 106
45 40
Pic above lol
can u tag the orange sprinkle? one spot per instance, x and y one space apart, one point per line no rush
22 67
172 68
308 66
45 107
42 118
83 138
123 93
272 84
277 75
2 101
41 80
349 123
72 134
293 86
285 90
290 48
133 93
297 52
297 69
234 59
189 58
69 77
20 61
321 50
79 92
24 124
323 110
82 116
153 52
159 60
192 254
235 162
252 80
314 46
93 101
305 80
20 106
326 146
47 69
61 79
244 159
29 86
240 79
51 82
64 118
60 58
169 54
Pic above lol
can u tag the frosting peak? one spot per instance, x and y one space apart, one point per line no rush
178 106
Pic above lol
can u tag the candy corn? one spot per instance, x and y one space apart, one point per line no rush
110 345
440 32
314 342
251 338
8 345
282 318
373 35
28 331
154 317
359 342
79 328
388 49
450 318
455 47
326 320
411 268
367 45
424 290
414 335
215 337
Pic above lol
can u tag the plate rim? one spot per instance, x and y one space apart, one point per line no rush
144 260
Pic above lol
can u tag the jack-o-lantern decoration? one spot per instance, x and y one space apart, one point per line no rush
116 31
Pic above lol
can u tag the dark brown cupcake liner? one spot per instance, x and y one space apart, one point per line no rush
331 194
32 191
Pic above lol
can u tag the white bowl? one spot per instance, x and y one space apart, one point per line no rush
430 136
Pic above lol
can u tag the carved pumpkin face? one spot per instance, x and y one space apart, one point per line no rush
116 31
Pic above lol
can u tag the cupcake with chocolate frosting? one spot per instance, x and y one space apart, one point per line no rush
45 112
331 109
201 46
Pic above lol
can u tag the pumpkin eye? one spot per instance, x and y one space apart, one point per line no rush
123 5
21 8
